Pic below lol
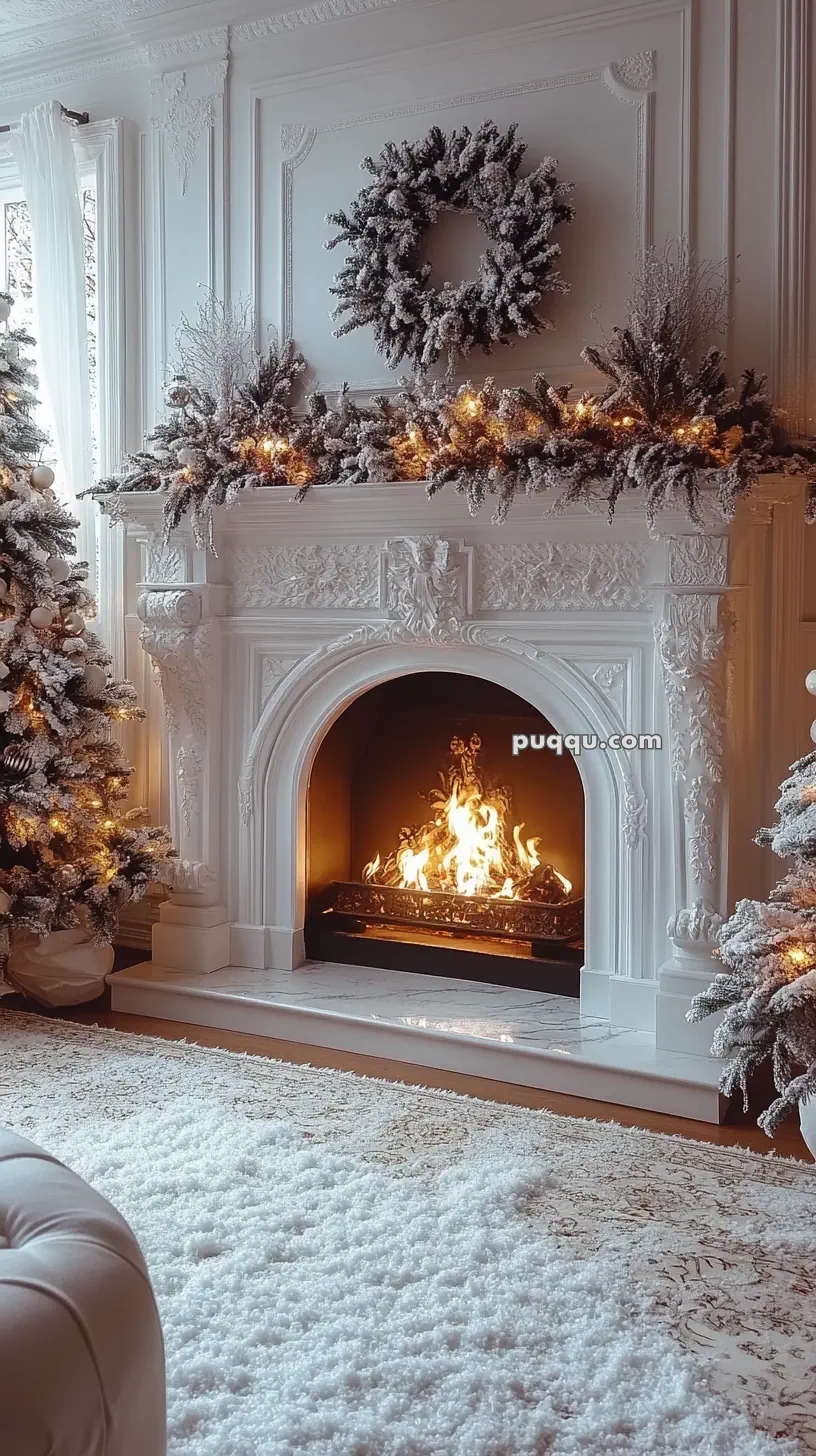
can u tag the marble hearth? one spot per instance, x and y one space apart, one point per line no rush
602 628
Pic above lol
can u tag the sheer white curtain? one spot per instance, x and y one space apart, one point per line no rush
44 154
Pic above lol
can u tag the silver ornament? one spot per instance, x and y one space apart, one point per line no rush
41 617
58 568
42 476
95 679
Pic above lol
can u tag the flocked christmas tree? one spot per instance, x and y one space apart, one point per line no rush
768 948
68 853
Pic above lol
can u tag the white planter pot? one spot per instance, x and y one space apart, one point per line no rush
61 969
807 1120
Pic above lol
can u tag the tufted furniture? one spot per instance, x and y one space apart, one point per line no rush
81 1354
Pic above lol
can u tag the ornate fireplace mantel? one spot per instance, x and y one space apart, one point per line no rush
602 626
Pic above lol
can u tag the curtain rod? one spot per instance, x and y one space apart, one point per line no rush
76 118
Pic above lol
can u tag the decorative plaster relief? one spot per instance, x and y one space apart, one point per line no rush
338 577
698 560
163 562
610 679
425 585
184 119
562 576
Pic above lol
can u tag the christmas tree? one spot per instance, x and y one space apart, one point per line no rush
768 989
68 853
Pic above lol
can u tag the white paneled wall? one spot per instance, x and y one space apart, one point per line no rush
670 116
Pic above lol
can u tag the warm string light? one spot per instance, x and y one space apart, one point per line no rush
799 960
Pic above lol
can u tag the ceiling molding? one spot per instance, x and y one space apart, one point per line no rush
84 43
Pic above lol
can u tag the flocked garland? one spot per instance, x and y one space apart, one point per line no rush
663 426
382 284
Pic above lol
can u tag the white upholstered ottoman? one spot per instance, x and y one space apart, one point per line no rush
81 1353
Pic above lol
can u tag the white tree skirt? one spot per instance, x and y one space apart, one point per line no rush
344 1266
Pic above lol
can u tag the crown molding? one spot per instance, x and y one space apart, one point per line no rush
152 38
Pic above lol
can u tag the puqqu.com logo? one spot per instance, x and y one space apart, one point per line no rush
576 743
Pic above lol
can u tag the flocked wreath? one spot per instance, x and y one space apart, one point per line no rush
382 283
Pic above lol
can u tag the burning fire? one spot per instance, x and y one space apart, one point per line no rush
464 849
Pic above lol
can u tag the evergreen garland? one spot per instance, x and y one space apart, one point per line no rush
667 426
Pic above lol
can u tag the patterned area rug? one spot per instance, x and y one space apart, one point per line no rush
352 1266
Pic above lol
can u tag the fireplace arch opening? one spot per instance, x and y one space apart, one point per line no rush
432 847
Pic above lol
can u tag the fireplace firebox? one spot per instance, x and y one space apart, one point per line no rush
431 847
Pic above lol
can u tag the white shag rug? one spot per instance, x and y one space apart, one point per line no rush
355 1268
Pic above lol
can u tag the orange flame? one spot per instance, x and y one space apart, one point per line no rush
464 849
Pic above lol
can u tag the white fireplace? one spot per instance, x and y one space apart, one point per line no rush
602 628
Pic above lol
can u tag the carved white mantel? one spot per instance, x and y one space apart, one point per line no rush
604 627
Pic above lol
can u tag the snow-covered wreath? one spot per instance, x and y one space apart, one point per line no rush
381 282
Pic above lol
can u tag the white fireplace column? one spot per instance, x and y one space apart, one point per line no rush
181 634
690 639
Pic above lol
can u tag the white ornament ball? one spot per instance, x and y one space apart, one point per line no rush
95 679
5 310
58 568
187 455
6 701
810 681
5 899
73 621
4 670
42 476
41 617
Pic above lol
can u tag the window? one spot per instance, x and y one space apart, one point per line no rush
15 276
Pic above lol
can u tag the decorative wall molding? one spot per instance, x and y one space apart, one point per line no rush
340 577
184 119
562 576
314 14
297 141
792 326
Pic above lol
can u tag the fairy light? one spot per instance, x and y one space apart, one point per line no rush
798 957
627 420
471 404
274 446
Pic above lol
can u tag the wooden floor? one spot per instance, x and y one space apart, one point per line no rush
741 1129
